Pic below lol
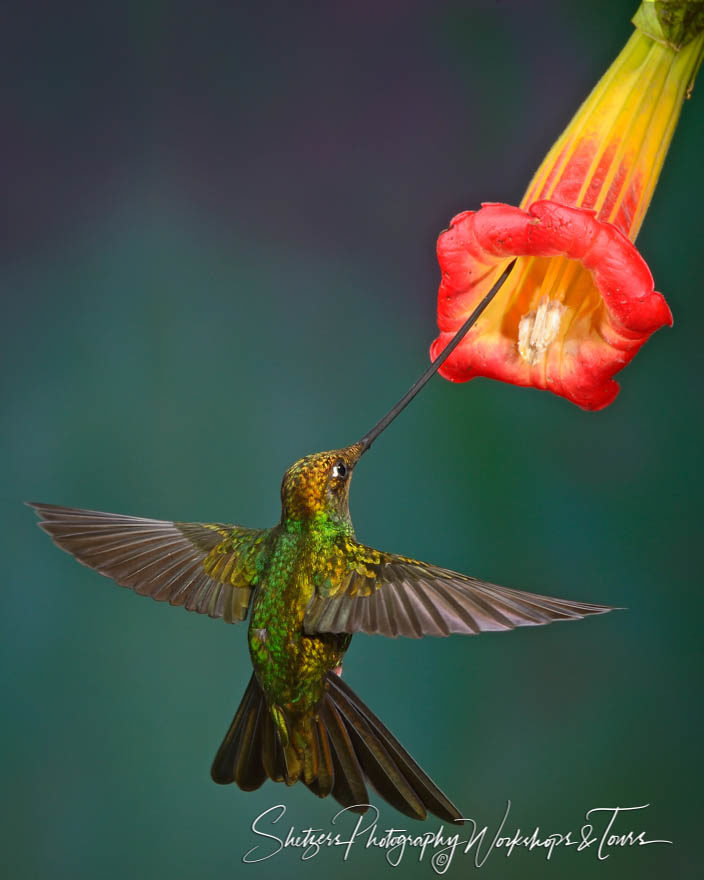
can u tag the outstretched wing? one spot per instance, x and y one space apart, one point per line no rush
206 567
380 593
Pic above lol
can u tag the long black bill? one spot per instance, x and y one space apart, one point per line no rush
371 436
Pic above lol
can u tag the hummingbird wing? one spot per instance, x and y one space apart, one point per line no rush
206 567
381 593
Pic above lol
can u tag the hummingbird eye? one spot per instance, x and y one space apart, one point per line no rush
339 470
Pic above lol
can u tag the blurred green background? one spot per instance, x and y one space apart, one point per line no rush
220 257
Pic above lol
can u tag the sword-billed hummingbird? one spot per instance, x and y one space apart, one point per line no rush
310 585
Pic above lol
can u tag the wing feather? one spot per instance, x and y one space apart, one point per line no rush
404 597
210 568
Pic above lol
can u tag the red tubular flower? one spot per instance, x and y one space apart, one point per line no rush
580 301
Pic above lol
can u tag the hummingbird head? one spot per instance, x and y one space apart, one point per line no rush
320 483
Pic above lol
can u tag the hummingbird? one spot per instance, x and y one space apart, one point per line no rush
308 586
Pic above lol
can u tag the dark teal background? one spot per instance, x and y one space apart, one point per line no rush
220 257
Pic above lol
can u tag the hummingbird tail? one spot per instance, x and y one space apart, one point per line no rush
350 745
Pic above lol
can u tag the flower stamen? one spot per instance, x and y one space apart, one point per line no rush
538 329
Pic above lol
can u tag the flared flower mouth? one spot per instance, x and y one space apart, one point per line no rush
578 305
580 301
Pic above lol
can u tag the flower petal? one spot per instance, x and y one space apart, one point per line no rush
581 310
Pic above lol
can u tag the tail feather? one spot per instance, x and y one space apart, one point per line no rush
350 745
348 783
272 753
378 765
432 797
326 768
237 760
249 768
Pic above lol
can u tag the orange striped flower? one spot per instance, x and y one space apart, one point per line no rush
580 301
